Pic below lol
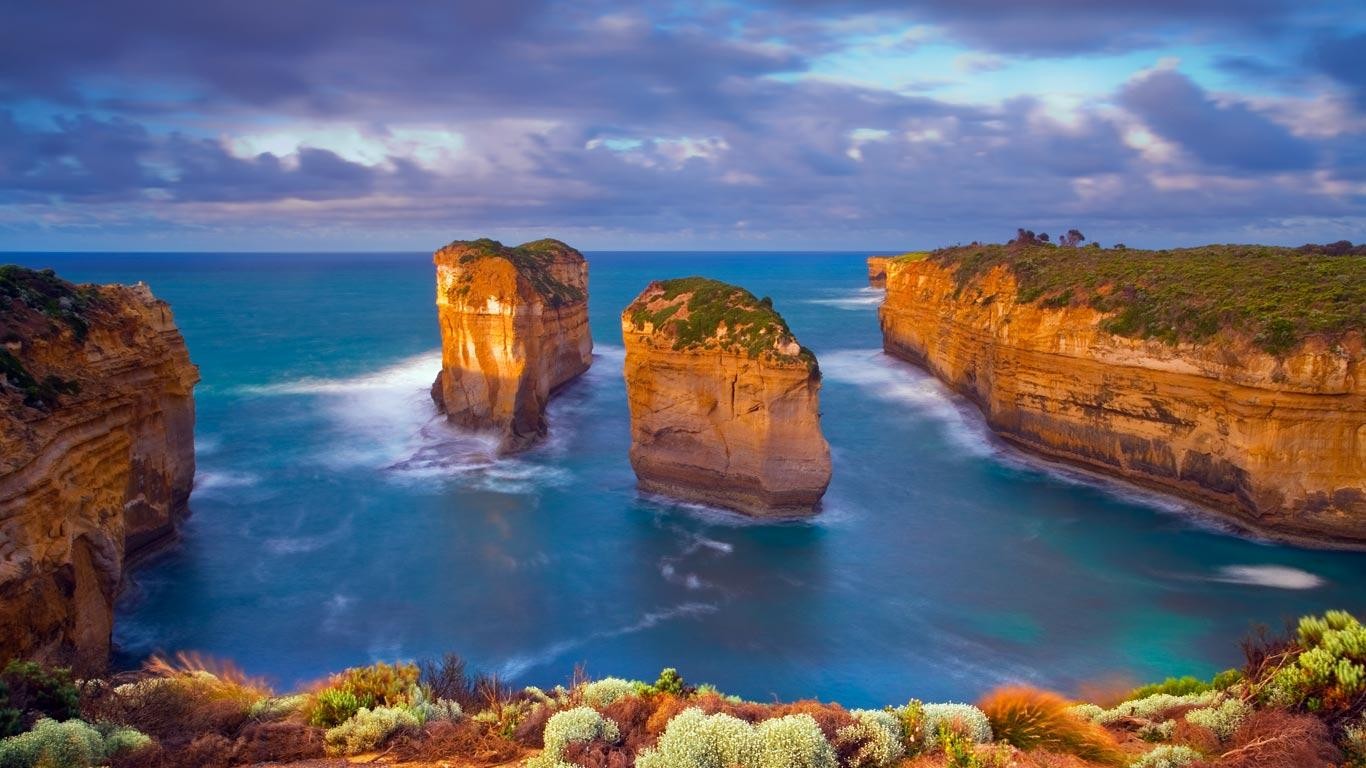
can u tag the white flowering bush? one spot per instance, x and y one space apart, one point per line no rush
1167 756
794 741
600 693
1162 731
434 710
571 726
696 740
882 735
1091 712
1223 718
368 728
277 707
1148 707
964 719
72 744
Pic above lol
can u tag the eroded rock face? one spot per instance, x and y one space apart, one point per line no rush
725 404
96 455
514 328
877 271
1276 444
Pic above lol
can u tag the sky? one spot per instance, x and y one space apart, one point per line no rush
810 124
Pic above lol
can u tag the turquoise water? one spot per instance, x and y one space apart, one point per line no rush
336 521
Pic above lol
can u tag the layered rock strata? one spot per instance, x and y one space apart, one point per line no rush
877 271
96 455
514 328
1274 440
725 404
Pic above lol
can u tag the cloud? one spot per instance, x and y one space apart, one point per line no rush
1343 57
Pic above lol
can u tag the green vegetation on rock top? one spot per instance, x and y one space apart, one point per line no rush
531 260
24 291
691 310
1276 296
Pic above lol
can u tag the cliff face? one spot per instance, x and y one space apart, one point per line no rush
1277 443
96 455
725 405
877 271
514 327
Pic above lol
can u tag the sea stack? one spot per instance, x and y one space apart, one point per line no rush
96 455
877 271
1232 375
725 404
514 328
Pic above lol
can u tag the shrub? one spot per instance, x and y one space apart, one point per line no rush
878 738
1223 718
963 719
376 686
572 726
600 693
29 691
368 729
794 741
72 744
696 740
1157 731
1324 670
959 750
332 707
1167 756
1175 686
1153 707
276 707
435 711
912 718
1277 739
1029 719
670 682
1354 743
450 679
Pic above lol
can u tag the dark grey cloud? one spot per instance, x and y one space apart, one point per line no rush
1343 57
1231 136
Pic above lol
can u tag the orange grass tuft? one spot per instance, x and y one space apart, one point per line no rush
1030 719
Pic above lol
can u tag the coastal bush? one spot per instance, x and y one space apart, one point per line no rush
876 739
794 741
72 744
1167 756
379 685
277 707
1277 739
29 691
1032 719
697 740
1223 718
963 719
449 678
912 717
1154 707
1174 686
1354 743
1322 670
179 700
572 726
431 711
440 741
369 728
600 693
670 682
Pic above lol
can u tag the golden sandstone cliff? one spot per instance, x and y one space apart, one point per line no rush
96 455
725 405
514 328
877 271
1230 375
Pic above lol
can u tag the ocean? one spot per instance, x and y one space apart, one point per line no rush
336 520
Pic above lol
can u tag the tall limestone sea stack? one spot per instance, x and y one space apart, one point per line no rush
1232 375
725 404
514 328
96 455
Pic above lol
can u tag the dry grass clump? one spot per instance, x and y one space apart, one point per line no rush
1032 719
1276 739
474 743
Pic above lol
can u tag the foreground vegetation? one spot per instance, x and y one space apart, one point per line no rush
1299 702
1277 297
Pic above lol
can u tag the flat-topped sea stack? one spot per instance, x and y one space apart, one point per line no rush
877 271
1231 375
96 455
725 404
514 328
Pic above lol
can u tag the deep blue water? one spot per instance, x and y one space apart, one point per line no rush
336 521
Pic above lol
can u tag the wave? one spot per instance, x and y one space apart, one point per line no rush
212 483
517 665
857 300
1275 576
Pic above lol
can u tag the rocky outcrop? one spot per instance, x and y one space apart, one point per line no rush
96 455
514 328
725 404
877 271
1274 442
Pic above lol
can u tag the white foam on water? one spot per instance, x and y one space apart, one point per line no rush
516 665
211 483
862 299
293 545
1274 576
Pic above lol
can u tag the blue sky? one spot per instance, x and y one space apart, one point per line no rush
313 125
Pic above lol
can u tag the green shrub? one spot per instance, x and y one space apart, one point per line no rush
368 729
1167 756
72 744
881 735
35 691
333 706
959 750
1223 718
124 740
1226 679
1354 743
571 726
963 719
600 693
794 741
912 718
378 685
670 682
1149 707
1325 670
1173 686
278 707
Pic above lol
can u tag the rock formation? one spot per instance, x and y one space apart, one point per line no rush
725 405
514 328
1274 440
96 455
877 271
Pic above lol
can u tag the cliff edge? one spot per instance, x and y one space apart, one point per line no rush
725 404
514 328
1231 375
96 455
